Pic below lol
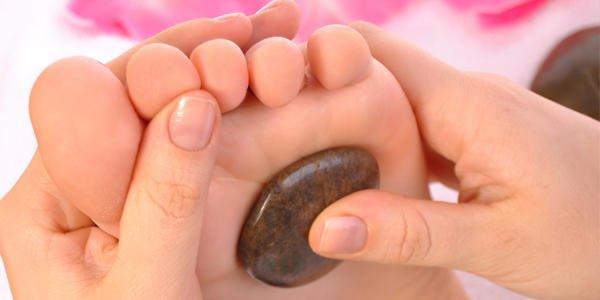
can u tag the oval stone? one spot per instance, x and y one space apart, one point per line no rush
273 245
569 75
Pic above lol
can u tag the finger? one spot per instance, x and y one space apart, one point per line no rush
186 36
439 94
162 217
32 206
278 18
381 227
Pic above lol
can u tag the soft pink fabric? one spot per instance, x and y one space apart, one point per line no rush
139 19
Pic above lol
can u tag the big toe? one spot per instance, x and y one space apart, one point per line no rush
88 135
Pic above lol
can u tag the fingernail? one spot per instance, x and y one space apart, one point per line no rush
343 235
191 123
269 6
228 17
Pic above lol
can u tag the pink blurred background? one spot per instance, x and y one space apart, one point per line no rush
507 37
141 19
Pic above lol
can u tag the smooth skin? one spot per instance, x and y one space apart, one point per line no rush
101 145
528 175
50 247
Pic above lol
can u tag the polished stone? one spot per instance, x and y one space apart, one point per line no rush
570 73
273 245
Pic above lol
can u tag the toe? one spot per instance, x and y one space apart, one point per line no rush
338 56
223 71
280 18
276 67
157 73
88 135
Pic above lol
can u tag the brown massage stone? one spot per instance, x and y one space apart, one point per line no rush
570 73
273 245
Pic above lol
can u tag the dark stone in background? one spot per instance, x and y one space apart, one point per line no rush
273 245
570 74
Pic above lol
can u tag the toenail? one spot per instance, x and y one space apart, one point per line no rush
191 123
269 6
228 17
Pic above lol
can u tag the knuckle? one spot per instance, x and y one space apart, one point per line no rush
409 244
173 195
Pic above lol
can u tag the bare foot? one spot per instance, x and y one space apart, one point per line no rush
330 93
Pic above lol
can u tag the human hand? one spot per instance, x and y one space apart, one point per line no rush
51 248
528 174
97 119
48 255
343 113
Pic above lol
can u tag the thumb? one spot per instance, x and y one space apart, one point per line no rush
381 227
162 218
438 93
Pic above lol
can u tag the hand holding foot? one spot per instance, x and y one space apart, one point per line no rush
526 169
363 107
158 247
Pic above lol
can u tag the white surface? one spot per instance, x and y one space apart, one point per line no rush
34 34
4 289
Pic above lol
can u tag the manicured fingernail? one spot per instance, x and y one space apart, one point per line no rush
228 17
191 123
269 6
343 235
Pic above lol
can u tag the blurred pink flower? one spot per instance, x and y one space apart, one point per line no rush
140 19
491 13
317 13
